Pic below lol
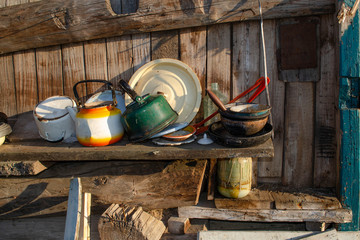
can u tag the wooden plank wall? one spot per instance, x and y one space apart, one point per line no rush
303 112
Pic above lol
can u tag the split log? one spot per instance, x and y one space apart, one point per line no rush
152 185
54 22
124 222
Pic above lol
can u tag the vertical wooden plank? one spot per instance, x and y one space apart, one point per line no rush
349 117
25 74
212 179
255 170
246 56
219 57
49 72
141 50
193 53
350 167
73 213
73 68
273 168
325 130
25 80
165 45
299 134
7 89
85 217
95 64
119 58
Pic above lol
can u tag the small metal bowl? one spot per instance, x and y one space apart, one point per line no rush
244 111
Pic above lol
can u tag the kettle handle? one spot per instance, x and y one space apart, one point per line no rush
99 81
125 86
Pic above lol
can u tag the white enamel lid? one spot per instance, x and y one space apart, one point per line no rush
107 96
53 107
173 78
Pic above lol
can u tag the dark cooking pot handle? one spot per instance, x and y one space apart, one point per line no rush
125 86
99 81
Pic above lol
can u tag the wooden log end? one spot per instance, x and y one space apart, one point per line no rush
177 225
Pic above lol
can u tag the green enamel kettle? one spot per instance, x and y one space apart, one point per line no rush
146 115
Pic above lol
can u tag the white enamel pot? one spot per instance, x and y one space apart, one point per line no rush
53 120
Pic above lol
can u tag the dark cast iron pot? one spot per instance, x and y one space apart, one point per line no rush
146 115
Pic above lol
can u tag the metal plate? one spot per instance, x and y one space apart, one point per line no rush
173 78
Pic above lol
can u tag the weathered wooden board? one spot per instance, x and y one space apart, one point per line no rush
25 80
141 50
219 57
165 45
256 199
55 22
95 64
73 211
152 185
350 166
245 57
271 234
273 168
207 210
299 134
284 200
26 144
49 72
73 68
44 151
119 58
8 103
193 53
325 128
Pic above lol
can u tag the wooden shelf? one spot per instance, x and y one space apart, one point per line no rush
26 145
208 210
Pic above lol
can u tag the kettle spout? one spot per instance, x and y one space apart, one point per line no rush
72 112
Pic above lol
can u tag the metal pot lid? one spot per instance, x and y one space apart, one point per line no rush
175 80
106 96
53 107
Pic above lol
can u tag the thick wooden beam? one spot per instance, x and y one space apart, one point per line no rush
207 210
56 22
152 185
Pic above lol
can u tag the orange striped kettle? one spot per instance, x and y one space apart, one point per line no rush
97 123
